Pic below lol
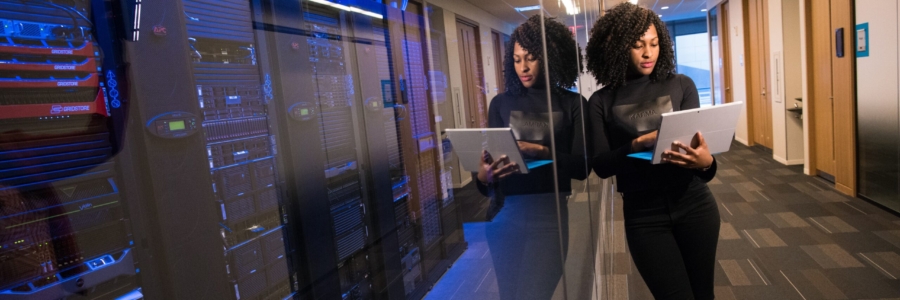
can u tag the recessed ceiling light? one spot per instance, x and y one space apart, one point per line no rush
527 8
633 1
660 16
703 9
665 7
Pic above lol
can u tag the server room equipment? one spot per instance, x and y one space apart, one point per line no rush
349 136
63 217
209 145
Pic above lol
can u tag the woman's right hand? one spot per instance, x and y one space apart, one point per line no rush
493 170
644 142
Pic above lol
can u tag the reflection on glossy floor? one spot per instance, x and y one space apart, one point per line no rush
784 235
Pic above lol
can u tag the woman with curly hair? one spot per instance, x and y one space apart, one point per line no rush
524 239
523 107
671 217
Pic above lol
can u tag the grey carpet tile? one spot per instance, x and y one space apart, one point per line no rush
762 238
887 263
892 236
831 256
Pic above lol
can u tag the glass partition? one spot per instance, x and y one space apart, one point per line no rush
267 149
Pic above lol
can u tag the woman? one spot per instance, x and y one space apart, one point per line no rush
671 217
524 239
523 107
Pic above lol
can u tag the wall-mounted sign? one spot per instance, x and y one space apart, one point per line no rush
862 40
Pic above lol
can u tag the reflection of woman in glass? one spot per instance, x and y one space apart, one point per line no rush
523 107
671 217
525 239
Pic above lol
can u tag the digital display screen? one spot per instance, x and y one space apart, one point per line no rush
304 112
176 125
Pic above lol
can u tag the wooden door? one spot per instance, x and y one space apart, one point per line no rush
725 46
470 66
843 99
758 68
821 99
499 52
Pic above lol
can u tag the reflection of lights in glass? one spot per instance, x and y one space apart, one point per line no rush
633 1
528 8
349 8
571 9
665 7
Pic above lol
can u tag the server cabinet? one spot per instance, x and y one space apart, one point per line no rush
340 78
209 147
64 230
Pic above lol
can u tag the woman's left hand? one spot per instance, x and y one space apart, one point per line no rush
696 155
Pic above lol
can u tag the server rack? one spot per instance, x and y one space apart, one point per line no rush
372 112
177 175
64 229
209 140
431 207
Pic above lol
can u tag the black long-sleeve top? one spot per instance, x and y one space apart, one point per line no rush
528 117
621 115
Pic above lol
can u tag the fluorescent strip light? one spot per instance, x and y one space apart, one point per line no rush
703 9
571 9
349 8
665 7
633 1
527 8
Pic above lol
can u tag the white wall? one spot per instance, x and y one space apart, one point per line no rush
804 79
784 43
738 72
776 81
793 85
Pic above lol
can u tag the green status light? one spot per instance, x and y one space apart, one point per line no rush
176 125
304 112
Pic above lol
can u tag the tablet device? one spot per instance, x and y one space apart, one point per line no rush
716 123
469 142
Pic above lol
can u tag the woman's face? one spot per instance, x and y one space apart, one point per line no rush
645 51
527 66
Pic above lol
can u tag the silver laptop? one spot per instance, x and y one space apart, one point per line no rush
716 123
469 142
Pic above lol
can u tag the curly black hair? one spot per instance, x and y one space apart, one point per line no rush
563 53
612 37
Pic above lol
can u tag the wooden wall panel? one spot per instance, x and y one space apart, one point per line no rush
758 96
844 93
820 102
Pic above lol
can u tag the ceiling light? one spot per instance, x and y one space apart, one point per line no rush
660 16
633 1
527 8
349 8
571 9
703 9
665 7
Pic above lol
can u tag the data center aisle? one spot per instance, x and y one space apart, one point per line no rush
786 235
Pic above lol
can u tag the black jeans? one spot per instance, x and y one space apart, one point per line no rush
672 234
